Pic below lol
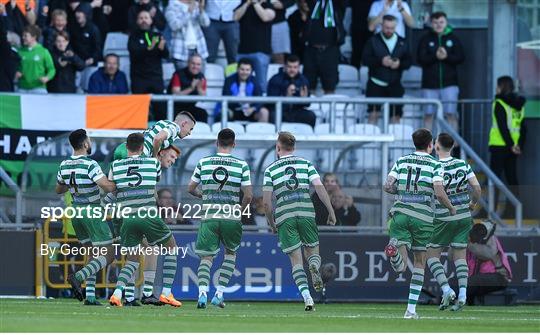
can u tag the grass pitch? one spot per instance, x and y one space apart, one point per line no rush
62 315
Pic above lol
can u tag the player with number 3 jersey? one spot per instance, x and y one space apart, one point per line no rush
414 179
289 179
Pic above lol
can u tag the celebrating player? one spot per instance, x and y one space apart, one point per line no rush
289 178
136 178
453 230
414 178
83 177
158 142
223 178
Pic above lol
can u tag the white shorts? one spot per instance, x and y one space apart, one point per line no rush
447 95
281 38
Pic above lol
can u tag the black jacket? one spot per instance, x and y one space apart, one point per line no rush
375 50
437 73
278 84
351 217
86 40
9 61
145 64
64 80
339 13
517 102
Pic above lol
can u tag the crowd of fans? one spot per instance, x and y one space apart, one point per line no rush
46 42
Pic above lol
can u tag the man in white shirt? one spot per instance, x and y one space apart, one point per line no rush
222 27
397 8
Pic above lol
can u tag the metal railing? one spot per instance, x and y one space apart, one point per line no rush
18 194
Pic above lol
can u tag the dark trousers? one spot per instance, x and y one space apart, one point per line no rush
484 283
158 110
394 90
198 113
229 32
504 162
323 64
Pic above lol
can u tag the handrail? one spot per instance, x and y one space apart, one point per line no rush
18 194
493 180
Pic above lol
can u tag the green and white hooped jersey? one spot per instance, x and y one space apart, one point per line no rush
221 177
415 174
170 127
289 178
81 174
456 184
136 178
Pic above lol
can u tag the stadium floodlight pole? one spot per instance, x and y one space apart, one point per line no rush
224 113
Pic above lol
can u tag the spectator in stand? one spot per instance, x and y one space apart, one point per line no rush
58 24
108 79
346 212
507 134
289 82
439 54
281 38
190 81
86 38
360 33
387 55
397 8
255 17
489 268
222 27
18 14
66 63
331 184
36 67
118 16
146 51
10 60
297 21
243 84
185 18
324 34
158 18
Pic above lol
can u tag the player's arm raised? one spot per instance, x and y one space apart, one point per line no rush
323 195
158 141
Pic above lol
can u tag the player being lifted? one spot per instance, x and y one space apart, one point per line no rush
414 179
136 178
83 177
223 178
453 230
158 142
289 178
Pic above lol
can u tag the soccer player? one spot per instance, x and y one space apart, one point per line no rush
161 136
289 178
136 178
453 230
414 179
223 178
83 177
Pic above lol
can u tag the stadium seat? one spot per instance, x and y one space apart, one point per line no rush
343 110
363 74
364 129
297 128
85 77
401 131
238 128
210 106
215 75
116 43
348 80
324 128
201 128
412 77
368 158
273 69
260 128
125 67
168 71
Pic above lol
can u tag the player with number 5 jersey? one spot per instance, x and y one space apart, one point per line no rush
224 179
83 177
293 218
414 180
